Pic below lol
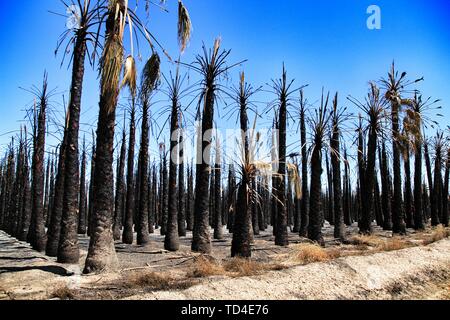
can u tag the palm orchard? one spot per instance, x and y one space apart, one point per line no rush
344 168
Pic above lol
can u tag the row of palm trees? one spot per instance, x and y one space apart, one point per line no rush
282 192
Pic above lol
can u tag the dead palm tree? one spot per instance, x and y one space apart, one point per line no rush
120 189
82 205
319 126
416 120
54 228
68 251
101 254
338 117
211 65
37 235
241 243
374 108
395 86
284 91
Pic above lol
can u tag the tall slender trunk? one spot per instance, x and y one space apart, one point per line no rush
201 241
339 232
241 243
445 194
102 255
181 191
305 192
418 207
386 189
68 251
315 216
82 228
37 232
127 236
438 185
408 191
142 230
54 229
26 199
433 207
281 234
398 224
120 190
218 227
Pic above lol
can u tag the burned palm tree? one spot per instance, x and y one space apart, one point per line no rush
101 254
284 91
150 81
211 65
385 187
439 146
337 119
445 194
172 241
127 236
182 188
395 86
82 227
218 228
54 228
319 127
433 207
415 121
68 251
374 108
37 236
304 151
26 195
241 243
120 189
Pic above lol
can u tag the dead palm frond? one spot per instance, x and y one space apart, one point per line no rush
130 75
151 75
184 26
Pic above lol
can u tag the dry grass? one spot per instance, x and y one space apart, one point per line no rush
236 267
155 282
247 267
64 293
364 242
309 253
205 267
438 234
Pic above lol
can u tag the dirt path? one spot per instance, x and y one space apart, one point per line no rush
421 272
414 273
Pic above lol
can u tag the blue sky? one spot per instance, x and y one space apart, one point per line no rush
324 43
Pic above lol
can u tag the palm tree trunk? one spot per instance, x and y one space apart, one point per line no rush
408 191
37 232
102 255
337 187
82 211
315 217
433 207
445 195
281 234
127 236
142 231
181 192
418 207
398 224
172 241
120 190
218 227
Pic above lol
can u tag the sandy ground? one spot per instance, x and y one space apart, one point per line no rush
421 272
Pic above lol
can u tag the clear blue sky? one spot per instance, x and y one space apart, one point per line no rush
324 43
